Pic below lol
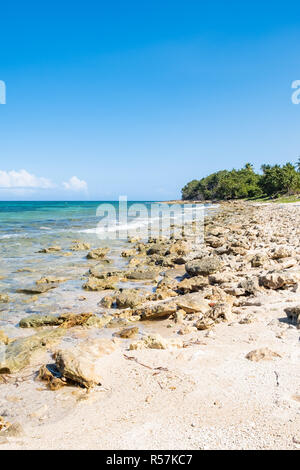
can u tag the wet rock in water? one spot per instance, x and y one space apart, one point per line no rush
4 298
192 303
130 298
259 260
204 324
293 314
19 352
98 253
69 320
78 368
95 284
186 330
141 274
204 267
3 338
51 280
156 342
275 280
156 310
281 252
36 321
193 284
37 288
179 316
250 285
220 278
263 354
157 249
128 253
81 364
80 246
50 249
128 332
214 242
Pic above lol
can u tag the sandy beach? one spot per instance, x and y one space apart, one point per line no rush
200 353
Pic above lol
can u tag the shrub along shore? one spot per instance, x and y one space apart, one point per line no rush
273 182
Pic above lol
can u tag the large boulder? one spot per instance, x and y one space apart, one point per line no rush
50 249
293 314
204 266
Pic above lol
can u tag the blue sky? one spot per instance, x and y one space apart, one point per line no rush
136 98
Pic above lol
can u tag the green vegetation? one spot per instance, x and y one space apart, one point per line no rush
273 182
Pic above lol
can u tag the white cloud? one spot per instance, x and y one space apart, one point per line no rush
75 184
22 179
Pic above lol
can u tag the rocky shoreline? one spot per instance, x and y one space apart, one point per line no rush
176 301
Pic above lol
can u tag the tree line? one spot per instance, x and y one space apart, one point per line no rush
273 181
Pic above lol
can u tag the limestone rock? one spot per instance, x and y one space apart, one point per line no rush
128 332
293 314
263 354
36 321
4 298
281 252
156 310
95 284
192 303
194 284
130 298
278 280
80 246
204 267
19 352
50 249
141 274
81 364
128 253
98 253
259 260
156 342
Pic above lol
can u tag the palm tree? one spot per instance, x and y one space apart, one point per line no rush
298 165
